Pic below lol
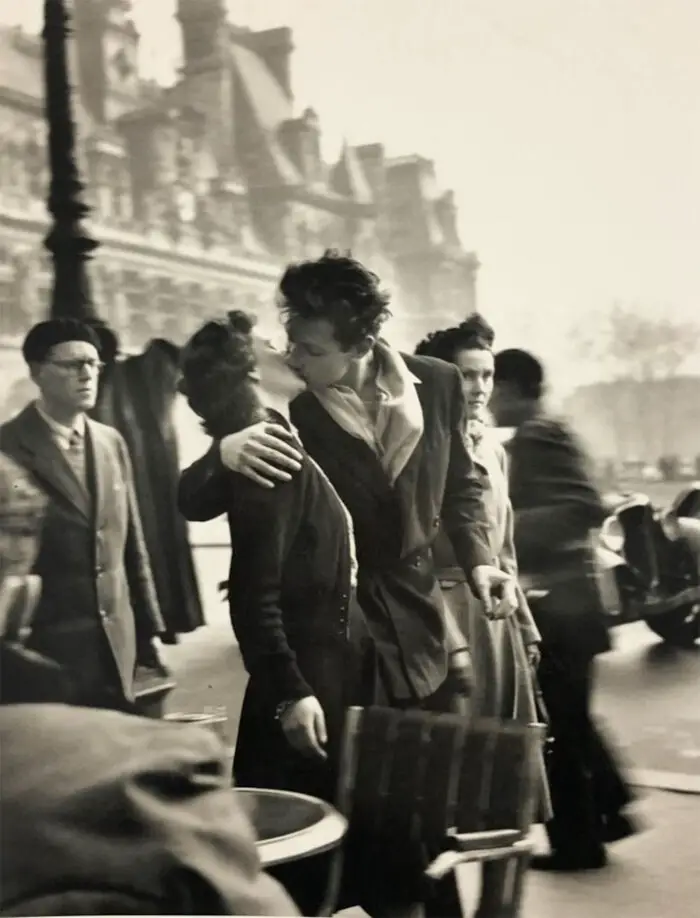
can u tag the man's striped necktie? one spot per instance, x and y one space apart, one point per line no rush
76 455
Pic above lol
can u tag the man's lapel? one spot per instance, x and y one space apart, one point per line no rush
406 485
44 458
101 468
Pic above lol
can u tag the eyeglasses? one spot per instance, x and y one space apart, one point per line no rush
77 366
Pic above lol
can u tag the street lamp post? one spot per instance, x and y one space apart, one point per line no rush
67 241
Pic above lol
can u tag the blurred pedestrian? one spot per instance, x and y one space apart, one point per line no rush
557 512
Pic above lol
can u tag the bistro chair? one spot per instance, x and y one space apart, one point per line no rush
424 793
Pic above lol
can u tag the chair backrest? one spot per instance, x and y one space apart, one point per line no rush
412 777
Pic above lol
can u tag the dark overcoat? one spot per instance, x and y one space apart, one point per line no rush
98 604
557 510
138 400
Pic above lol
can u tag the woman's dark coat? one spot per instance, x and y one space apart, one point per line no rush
293 612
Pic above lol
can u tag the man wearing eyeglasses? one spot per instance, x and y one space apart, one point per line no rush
98 611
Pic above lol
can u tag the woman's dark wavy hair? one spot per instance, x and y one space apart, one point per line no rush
217 363
339 289
474 333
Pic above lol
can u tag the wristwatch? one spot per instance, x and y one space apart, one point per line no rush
282 709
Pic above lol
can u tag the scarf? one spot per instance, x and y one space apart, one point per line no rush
399 424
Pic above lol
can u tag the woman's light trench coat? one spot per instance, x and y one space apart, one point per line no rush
504 685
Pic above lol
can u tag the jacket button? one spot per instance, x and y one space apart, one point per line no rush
103 615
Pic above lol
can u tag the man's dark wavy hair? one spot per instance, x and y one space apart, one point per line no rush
339 289
521 370
474 333
217 363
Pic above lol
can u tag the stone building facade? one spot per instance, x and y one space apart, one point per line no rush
202 191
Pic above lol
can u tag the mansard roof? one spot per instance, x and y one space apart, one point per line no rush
22 75
20 65
348 178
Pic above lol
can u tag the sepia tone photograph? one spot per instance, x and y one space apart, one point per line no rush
350 458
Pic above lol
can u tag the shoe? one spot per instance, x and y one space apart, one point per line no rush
618 826
565 863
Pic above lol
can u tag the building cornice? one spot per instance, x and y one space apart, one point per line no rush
303 194
151 254
18 99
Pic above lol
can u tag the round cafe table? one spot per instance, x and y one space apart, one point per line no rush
291 826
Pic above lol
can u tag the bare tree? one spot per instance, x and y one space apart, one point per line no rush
640 356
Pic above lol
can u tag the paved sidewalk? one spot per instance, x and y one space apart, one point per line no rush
656 874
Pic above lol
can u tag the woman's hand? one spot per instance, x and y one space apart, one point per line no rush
497 591
304 725
263 452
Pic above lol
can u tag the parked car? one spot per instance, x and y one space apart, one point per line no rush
649 559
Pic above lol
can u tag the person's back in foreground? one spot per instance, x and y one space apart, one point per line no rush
100 807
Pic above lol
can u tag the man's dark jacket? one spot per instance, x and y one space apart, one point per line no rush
557 510
395 525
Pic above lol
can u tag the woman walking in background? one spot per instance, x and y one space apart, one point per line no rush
504 651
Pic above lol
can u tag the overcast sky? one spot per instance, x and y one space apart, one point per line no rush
569 129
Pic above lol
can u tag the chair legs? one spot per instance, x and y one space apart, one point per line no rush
502 887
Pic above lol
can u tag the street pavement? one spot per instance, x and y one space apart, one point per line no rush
648 700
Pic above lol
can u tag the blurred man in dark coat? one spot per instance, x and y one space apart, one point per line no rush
557 510
98 611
